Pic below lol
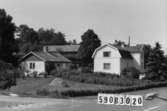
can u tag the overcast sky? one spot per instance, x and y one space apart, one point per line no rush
144 20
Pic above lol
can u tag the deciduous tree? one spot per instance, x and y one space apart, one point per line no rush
90 42
7 41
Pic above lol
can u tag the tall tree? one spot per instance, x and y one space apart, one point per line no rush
90 42
7 41
156 66
28 39
50 37
27 34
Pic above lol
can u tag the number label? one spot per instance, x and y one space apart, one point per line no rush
120 99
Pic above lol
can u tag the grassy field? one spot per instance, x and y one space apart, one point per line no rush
39 87
29 86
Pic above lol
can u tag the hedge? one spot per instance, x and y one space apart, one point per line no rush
98 78
92 92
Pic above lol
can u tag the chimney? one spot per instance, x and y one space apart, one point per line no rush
45 48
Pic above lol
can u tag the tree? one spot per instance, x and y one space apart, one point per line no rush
120 43
7 41
28 39
156 67
147 50
27 34
90 42
50 37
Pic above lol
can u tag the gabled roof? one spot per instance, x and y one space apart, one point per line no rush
62 48
125 52
45 56
97 49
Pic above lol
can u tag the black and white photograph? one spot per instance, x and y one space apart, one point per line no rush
83 55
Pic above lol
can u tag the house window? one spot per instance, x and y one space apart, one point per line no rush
32 65
106 54
106 66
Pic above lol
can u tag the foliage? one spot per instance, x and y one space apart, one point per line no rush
7 42
120 43
75 92
90 42
86 69
7 75
42 92
147 49
131 72
31 40
95 78
28 39
156 65
27 34
50 37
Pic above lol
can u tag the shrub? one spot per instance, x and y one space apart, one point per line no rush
42 92
73 92
96 78
86 69
131 72
43 74
19 73
7 75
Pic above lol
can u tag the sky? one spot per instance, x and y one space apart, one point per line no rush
145 21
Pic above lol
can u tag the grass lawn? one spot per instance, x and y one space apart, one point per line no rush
39 87
29 86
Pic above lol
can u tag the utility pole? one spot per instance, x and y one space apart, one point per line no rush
129 41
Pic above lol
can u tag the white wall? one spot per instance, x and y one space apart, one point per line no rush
39 66
137 60
114 60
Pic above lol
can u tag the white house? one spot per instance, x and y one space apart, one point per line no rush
43 61
113 59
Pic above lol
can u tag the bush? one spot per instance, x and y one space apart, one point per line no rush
43 74
95 78
7 75
73 92
131 73
86 69
42 92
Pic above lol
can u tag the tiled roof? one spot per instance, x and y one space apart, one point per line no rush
56 57
63 48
